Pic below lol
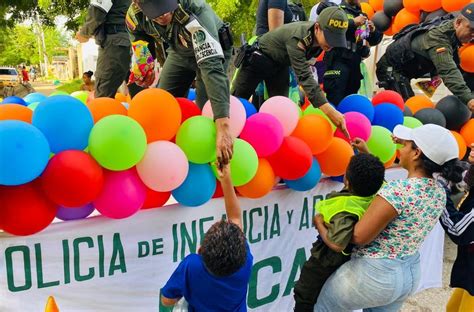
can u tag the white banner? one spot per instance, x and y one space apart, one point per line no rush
101 264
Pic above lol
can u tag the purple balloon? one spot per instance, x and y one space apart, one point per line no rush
66 214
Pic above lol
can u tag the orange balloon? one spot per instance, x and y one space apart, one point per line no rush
120 97
412 5
334 160
417 102
389 163
158 112
467 59
430 5
467 132
464 47
454 5
404 18
461 144
15 112
377 5
367 9
261 184
389 32
315 131
103 106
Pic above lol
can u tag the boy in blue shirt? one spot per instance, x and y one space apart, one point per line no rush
216 278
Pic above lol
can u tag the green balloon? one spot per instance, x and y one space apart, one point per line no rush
117 142
411 122
311 110
197 138
59 92
81 96
33 105
244 163
381 144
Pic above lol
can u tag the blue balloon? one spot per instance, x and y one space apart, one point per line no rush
357 103
249 108
308 181
338 178
388 116
192 94
198 187
65 121
35 97
24 152
14 100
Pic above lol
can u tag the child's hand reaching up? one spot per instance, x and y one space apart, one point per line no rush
360 146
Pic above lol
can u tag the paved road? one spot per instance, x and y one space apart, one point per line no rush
45 88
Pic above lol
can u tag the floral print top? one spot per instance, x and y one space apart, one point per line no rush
419 203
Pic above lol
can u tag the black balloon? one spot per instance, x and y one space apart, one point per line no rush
455 112
392 7
431 116
381 21
407 112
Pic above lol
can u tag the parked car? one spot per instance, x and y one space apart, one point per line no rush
9 77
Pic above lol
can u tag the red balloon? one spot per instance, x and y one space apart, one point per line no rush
292 160
155 199
219 192
25 209
389 96
72 179
188 108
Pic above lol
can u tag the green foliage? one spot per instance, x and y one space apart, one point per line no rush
70 87
20 45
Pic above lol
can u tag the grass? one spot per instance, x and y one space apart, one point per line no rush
69 87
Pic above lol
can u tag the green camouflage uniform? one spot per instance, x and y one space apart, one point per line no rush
188 56
107 17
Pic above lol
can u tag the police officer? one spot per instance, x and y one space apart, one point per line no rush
200 46
343 76
106 22
429 48
292 45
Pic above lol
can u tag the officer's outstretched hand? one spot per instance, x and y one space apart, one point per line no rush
470 104
336 117
224 142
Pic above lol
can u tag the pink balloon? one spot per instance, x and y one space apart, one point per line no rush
122 196
264 132
358 126
237 115
284 110
164 166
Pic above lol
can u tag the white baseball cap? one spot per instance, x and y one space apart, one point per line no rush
436 142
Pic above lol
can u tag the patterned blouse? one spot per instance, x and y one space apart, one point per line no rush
419 203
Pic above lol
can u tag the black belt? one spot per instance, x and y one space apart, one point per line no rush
115 28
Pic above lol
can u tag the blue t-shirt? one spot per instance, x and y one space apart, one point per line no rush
205 292
262 13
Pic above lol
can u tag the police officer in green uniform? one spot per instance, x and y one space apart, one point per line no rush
199 46
292 45
106 23
429 49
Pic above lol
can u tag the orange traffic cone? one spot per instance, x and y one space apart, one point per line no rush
51 305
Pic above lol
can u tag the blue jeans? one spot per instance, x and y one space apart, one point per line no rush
375 285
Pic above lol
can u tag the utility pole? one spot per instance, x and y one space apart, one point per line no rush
42 47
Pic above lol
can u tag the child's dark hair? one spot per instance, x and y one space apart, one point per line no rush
365 174
451 170
223 249
89 73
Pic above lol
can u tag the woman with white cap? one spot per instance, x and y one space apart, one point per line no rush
385 266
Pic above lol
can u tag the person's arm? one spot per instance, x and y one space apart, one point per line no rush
174 287
96 14
275 18
323 232
232 205
338 233
458 225
379 214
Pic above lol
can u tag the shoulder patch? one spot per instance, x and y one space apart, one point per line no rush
440 50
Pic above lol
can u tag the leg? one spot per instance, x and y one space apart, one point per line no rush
177 75
245 82
278 83
355 75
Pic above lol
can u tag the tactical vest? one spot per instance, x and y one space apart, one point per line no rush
356 205
399 53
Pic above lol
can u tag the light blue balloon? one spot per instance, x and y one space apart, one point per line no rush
198 187
24 152
308 181
65 121
34 97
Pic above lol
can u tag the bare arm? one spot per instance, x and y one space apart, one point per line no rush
232 206
275 18
375 220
